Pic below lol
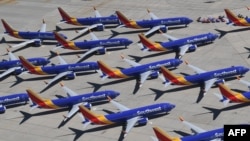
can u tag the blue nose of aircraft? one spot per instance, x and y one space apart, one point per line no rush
245 70
128 42
180 61
172 106
168 106
190 20
215 36
114 94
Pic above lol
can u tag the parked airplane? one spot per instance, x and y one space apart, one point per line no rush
14 66
229 95
180 46
98 22
199 134
141 71
155 23
11 100
207 78
132 117
35 37
94 45
237 21
62 70
72 101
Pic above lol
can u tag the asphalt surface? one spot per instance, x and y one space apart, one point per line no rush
19 123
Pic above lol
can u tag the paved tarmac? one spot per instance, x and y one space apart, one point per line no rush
42 124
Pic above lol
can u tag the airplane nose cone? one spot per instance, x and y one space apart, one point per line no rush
117 94
130 42
216 36
190 20
246 70
180 61
114 94
172 106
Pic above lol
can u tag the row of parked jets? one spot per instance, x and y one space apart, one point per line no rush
132 117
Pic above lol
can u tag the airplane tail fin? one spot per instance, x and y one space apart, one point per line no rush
163 136
8 28
232 17
147 43
105 69
60 39
228 93
35 98
89 116
26 64
64 15
222 98
123 18
169 75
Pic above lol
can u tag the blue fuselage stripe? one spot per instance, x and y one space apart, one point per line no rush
85 66
155 66
97 20
37 35
14 99
88 97
195 40
103 43
166 22
141 111
220 74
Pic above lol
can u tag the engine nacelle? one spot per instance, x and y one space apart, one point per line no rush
87 105
100 28
38 42
142 121
2 109
164 29
71 75
154 74
18 71
192 48
101 51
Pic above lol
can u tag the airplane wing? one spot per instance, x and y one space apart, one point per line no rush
7 72
69 91
209 84
59 76
61 60
152 15
43 27
183 49
11 55
93 36
97 14
155 28
196 69
132 63
119 106
169 37
131 123
193 127
89 28
73 110
24 43
144 77
89 52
